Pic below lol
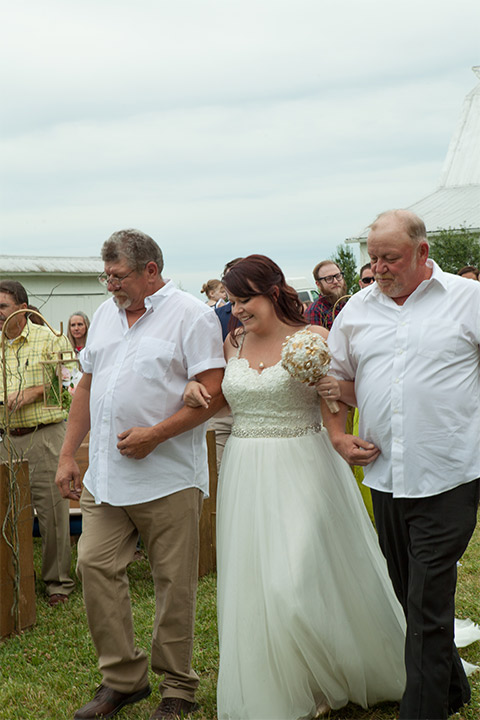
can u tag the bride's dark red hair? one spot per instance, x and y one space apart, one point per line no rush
258 275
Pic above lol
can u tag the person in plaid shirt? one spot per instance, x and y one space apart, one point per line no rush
36 432
331 286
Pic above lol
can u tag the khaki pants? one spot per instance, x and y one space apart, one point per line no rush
223 427
169 528
41 449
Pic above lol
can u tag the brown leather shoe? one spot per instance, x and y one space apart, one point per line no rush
174 708
107 702
57 599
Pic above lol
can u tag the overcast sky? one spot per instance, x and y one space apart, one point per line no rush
224 127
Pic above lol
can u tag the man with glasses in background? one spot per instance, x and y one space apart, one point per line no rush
331 287
147 471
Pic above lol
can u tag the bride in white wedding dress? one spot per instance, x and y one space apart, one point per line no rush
307 616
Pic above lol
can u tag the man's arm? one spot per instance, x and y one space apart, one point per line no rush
26 396
352 448
68 474
138 442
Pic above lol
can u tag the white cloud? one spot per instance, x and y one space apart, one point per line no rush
225 127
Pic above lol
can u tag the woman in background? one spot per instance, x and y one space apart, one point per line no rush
77 332
215 292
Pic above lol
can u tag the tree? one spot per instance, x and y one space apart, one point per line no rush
453 249
345 259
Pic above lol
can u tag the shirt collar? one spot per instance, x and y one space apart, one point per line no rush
24 334
373 292
153 301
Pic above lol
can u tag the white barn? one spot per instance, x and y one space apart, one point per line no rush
57 286
456 201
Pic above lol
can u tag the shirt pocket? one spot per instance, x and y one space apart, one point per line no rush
438 338
153 358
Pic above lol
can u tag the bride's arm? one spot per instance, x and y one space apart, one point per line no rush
330 388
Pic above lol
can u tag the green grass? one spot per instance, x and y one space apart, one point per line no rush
46 673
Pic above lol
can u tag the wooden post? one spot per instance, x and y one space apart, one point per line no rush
12 621
208 557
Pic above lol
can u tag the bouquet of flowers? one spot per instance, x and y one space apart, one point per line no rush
305 356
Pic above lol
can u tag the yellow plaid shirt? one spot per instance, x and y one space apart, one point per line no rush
23 357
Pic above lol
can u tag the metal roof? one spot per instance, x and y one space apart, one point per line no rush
50 265
456 201
450 207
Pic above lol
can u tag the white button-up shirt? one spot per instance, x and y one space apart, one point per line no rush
138 378
417 372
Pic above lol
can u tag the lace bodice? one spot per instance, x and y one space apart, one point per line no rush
270 403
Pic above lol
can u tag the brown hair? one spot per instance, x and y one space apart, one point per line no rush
16 290
258 275
469 269
319 265
210 286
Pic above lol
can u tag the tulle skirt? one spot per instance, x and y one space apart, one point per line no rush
306 610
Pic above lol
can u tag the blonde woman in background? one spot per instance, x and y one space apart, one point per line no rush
215 292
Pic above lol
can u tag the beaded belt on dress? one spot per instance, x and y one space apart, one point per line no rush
275 432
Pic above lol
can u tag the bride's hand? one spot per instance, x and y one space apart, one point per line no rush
328 388
196 395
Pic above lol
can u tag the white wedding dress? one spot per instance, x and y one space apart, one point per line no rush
306 611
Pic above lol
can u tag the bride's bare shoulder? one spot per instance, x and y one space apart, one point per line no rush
319 330
232 343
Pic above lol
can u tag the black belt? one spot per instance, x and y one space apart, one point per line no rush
18 432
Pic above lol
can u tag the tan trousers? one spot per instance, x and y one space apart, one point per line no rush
41 449
169 528
223 428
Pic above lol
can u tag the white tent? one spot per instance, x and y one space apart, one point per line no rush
456 201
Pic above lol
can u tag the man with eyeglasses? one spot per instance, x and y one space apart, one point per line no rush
147 471
332 287
366 276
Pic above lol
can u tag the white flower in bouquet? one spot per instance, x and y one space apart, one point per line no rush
306 357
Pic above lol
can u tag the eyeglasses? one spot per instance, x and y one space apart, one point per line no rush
114 280
367 280
330 278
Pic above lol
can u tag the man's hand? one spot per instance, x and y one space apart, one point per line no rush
68 478
19 398
138 442
355 450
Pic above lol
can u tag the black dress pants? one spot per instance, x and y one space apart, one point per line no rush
422 540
